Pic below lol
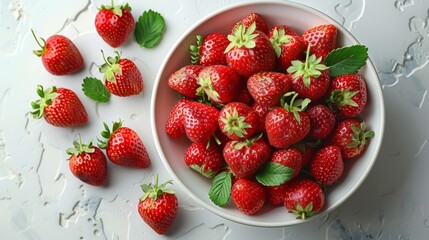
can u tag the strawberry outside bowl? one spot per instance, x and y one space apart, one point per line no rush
171 151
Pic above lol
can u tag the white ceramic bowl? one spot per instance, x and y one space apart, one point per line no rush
171 151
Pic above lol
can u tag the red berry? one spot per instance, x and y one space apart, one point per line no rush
248 196
304 197
327 165
322 121
323 39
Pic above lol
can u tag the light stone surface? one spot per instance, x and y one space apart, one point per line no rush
40 199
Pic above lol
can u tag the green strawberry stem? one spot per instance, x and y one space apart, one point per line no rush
39 52
360 136
246 142
235 124
303 213
295 105
80 148
46 97
242 37
195 50
343 98
111 67
154 191
279 38
117 10
106 134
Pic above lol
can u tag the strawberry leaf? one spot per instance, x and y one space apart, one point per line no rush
346 60
149 29
95 89
220 190
274 174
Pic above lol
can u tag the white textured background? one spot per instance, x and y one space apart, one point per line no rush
40 199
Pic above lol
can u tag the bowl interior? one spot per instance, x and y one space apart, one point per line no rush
171 151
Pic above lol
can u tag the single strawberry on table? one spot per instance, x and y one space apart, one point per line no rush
248 195
121 76
238 120
87 163
304 197
124 147
327 165
209 49
59 54
267 88
60 107
114 23
323 39
185 80
158 206
206 160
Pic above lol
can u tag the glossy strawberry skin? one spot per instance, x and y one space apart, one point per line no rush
200 121
90 168
322 121
112 28
276 194
283 129
323 39
159 214
61 56
290 157
66 110
317 88
349 83
125 148
175 121
212 50
253 17
247 61
267 88
130 82
244 112
207 161
262 112
304 192
245 161
327 165
248 196
185 80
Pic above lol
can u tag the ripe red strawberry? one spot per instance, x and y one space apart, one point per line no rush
185 80
252 18
238 120
276 194
304 197
114 23
175 122
60 107
158 206
288 124
267 88
121 76
322 121
310 78
59 54
291 158
88 163
348 95
124 147
219 82
206 160
352 137
287 45
248 195
247 156
209 50
262 112
250 51
323 39
200 121
327 165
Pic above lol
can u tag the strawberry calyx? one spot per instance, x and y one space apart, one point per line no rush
107 133
279 38
235 124
41 51
309 69
205 172
343 98
206 89
79 147
239 144
117 10
242 37
294 105
46 97
111 67
303 212
154 191
360 136
195 50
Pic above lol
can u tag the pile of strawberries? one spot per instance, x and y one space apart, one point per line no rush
61 107
270 116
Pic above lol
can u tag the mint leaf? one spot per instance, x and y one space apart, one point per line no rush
346 60
149 29
274 174
95 89
220 190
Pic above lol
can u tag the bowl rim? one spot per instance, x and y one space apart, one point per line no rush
218 212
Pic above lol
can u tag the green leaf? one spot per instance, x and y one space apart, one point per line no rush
346 60
95 89
149 29
274 174
220 190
